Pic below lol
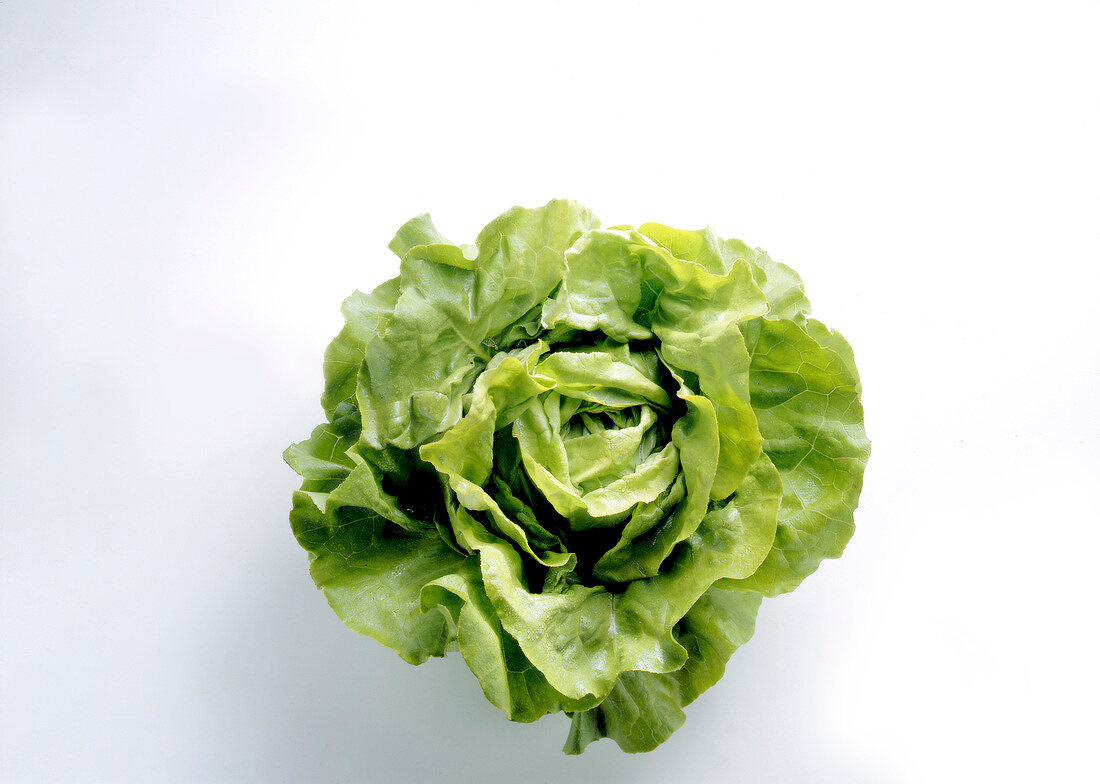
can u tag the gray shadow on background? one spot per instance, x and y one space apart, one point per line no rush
295 696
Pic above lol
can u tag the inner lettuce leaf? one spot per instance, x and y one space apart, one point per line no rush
579 457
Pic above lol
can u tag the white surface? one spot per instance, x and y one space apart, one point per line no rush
188 190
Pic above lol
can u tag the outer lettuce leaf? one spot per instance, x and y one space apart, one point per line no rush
416 232
329 464
834 341
703 247
782 287
363 488
602 289
366 316
372 574
322 459
807 402
508 679
644 708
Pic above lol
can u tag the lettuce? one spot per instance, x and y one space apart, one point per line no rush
580 457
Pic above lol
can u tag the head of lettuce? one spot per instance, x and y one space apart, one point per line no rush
580 457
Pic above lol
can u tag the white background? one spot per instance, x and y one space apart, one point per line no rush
188 190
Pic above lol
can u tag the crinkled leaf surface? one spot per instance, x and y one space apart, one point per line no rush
644 709
807 400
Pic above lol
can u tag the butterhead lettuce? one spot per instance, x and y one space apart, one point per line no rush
580 457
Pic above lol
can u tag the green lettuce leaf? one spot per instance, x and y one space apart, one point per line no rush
450 308
507 677
644 708
807 402
372 573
